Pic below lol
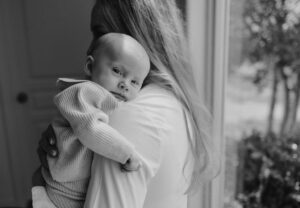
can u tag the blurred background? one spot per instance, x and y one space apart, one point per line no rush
39 41
262 102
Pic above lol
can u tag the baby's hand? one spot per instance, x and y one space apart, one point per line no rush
132 164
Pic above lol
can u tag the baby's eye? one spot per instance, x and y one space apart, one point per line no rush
116 70
135 82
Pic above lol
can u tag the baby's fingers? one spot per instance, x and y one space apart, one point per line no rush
131 165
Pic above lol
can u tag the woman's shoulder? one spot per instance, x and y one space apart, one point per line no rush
154 96
155 106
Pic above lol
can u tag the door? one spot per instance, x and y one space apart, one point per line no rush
39 41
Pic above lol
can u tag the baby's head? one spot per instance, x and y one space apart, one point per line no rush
119 64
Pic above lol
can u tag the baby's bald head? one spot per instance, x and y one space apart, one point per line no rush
116 43
119 60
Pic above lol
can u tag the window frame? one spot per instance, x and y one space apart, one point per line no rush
208 32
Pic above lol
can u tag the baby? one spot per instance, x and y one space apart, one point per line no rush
117 67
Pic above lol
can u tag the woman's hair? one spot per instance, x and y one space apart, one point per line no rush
158 26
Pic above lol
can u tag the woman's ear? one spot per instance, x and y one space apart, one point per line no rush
89 65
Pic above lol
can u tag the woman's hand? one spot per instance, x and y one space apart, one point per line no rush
47 146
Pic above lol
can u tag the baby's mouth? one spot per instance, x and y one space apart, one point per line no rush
119 96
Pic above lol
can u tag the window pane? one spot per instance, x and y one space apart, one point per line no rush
262 102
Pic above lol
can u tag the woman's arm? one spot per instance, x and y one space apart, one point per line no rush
46 147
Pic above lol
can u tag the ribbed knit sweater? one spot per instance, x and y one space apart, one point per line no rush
81 127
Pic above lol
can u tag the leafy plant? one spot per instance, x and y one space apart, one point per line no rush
272 29
271 172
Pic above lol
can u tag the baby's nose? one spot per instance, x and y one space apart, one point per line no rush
123 86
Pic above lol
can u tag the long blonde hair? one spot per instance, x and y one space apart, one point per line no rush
158 26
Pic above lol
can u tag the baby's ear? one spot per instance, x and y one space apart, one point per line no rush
89 65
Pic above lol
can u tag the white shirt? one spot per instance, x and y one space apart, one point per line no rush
156 125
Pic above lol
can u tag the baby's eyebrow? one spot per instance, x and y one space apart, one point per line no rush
137 78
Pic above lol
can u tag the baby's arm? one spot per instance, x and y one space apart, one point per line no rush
82 105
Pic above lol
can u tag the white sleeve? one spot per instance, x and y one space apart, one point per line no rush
111 188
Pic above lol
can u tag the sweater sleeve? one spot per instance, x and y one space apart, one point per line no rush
83 105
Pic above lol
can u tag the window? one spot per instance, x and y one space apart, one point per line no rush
262 96
208 22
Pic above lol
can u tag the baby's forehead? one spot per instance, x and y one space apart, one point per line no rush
120 43
123 49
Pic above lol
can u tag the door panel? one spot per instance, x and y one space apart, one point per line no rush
54 29
7 194
41 40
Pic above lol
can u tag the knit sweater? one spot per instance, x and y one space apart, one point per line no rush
81 128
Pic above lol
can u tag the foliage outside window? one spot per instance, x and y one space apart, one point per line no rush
267 76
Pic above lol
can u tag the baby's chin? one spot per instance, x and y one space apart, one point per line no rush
120 97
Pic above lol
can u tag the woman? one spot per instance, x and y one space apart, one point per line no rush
167 123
